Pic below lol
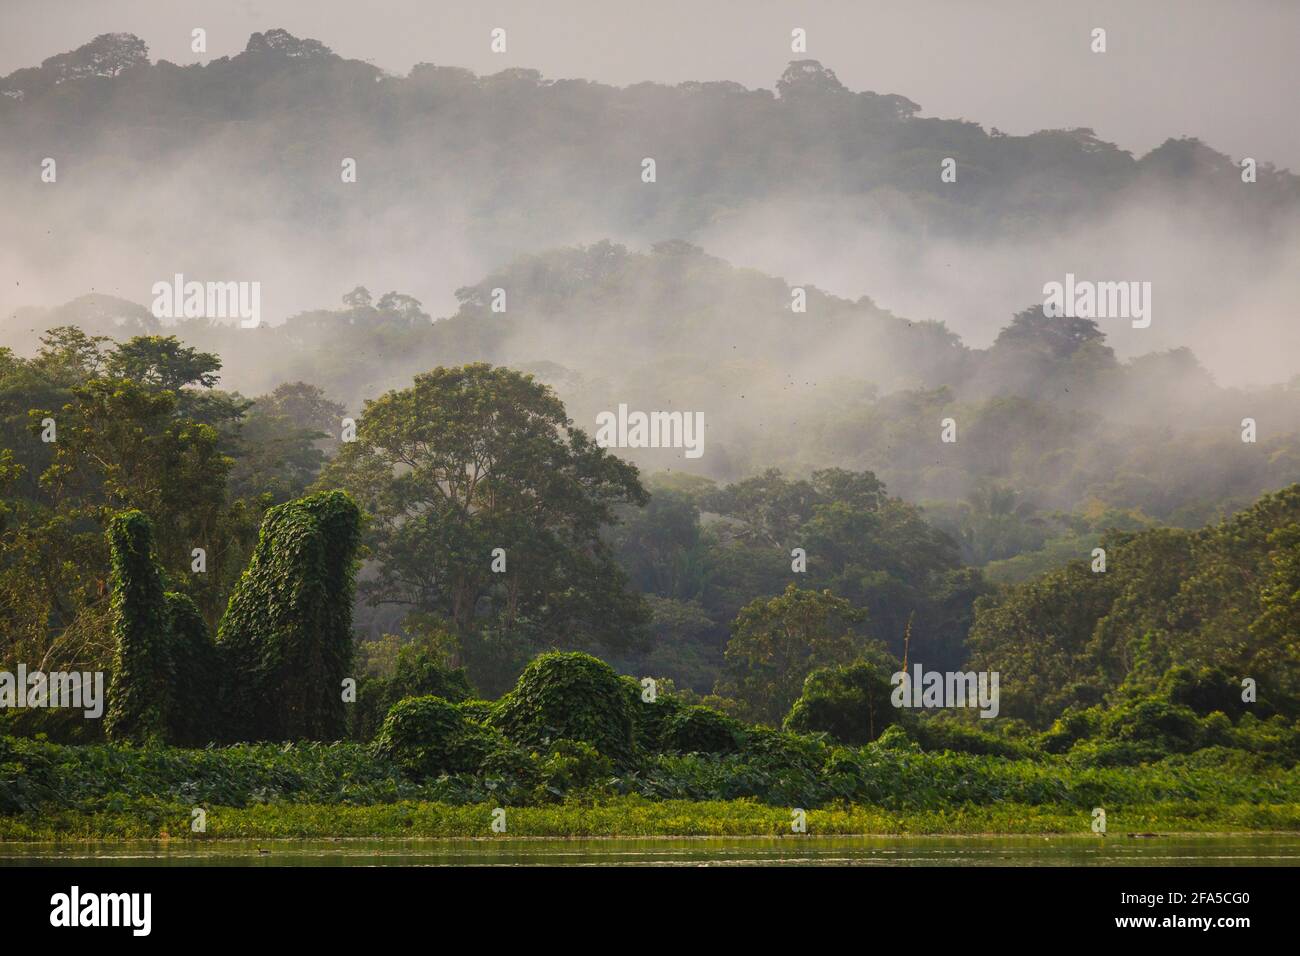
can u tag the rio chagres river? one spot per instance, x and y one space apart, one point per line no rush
1114 850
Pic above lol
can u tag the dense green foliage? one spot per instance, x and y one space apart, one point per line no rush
777 641
698 729
196 673
1068 642
571 725
140 698
851 703
777 580
286 637
572 696
706 553
417 672
38 777
486 506
583 569
428 736
140 427
1216 601
277 674
572 729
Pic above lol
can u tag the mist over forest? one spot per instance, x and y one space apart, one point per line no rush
231 168
675 293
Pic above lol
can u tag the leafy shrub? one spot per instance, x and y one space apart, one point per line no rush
418 673
805 753
649 718
940 734
476 710
26 779
574 765
428 736
845 769
1277 738
1170 728
1204 690
1114 753
696 729
1216 730
510 762
895 738
572 696
1072 726
849 702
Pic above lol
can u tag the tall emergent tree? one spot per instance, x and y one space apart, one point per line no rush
487 507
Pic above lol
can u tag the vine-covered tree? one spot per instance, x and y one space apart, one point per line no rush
192 717
286 637
139 694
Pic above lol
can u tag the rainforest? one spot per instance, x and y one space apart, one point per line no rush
367 567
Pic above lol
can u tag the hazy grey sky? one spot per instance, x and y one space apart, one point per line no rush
1227 72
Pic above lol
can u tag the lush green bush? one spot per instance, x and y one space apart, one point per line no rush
896 738
1114 753
1169 728
287 632
696 729
512 764
572 696
649 717
573 765
805 753
938 733
1204 690
849 702
429 736
1277 739
1073 725
476 710
418 673
27 779
1137 730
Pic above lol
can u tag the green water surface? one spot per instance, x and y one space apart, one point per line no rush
1117 850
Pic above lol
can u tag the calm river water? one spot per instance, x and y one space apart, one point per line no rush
1215 850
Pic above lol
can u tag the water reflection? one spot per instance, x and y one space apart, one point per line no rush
1183 850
